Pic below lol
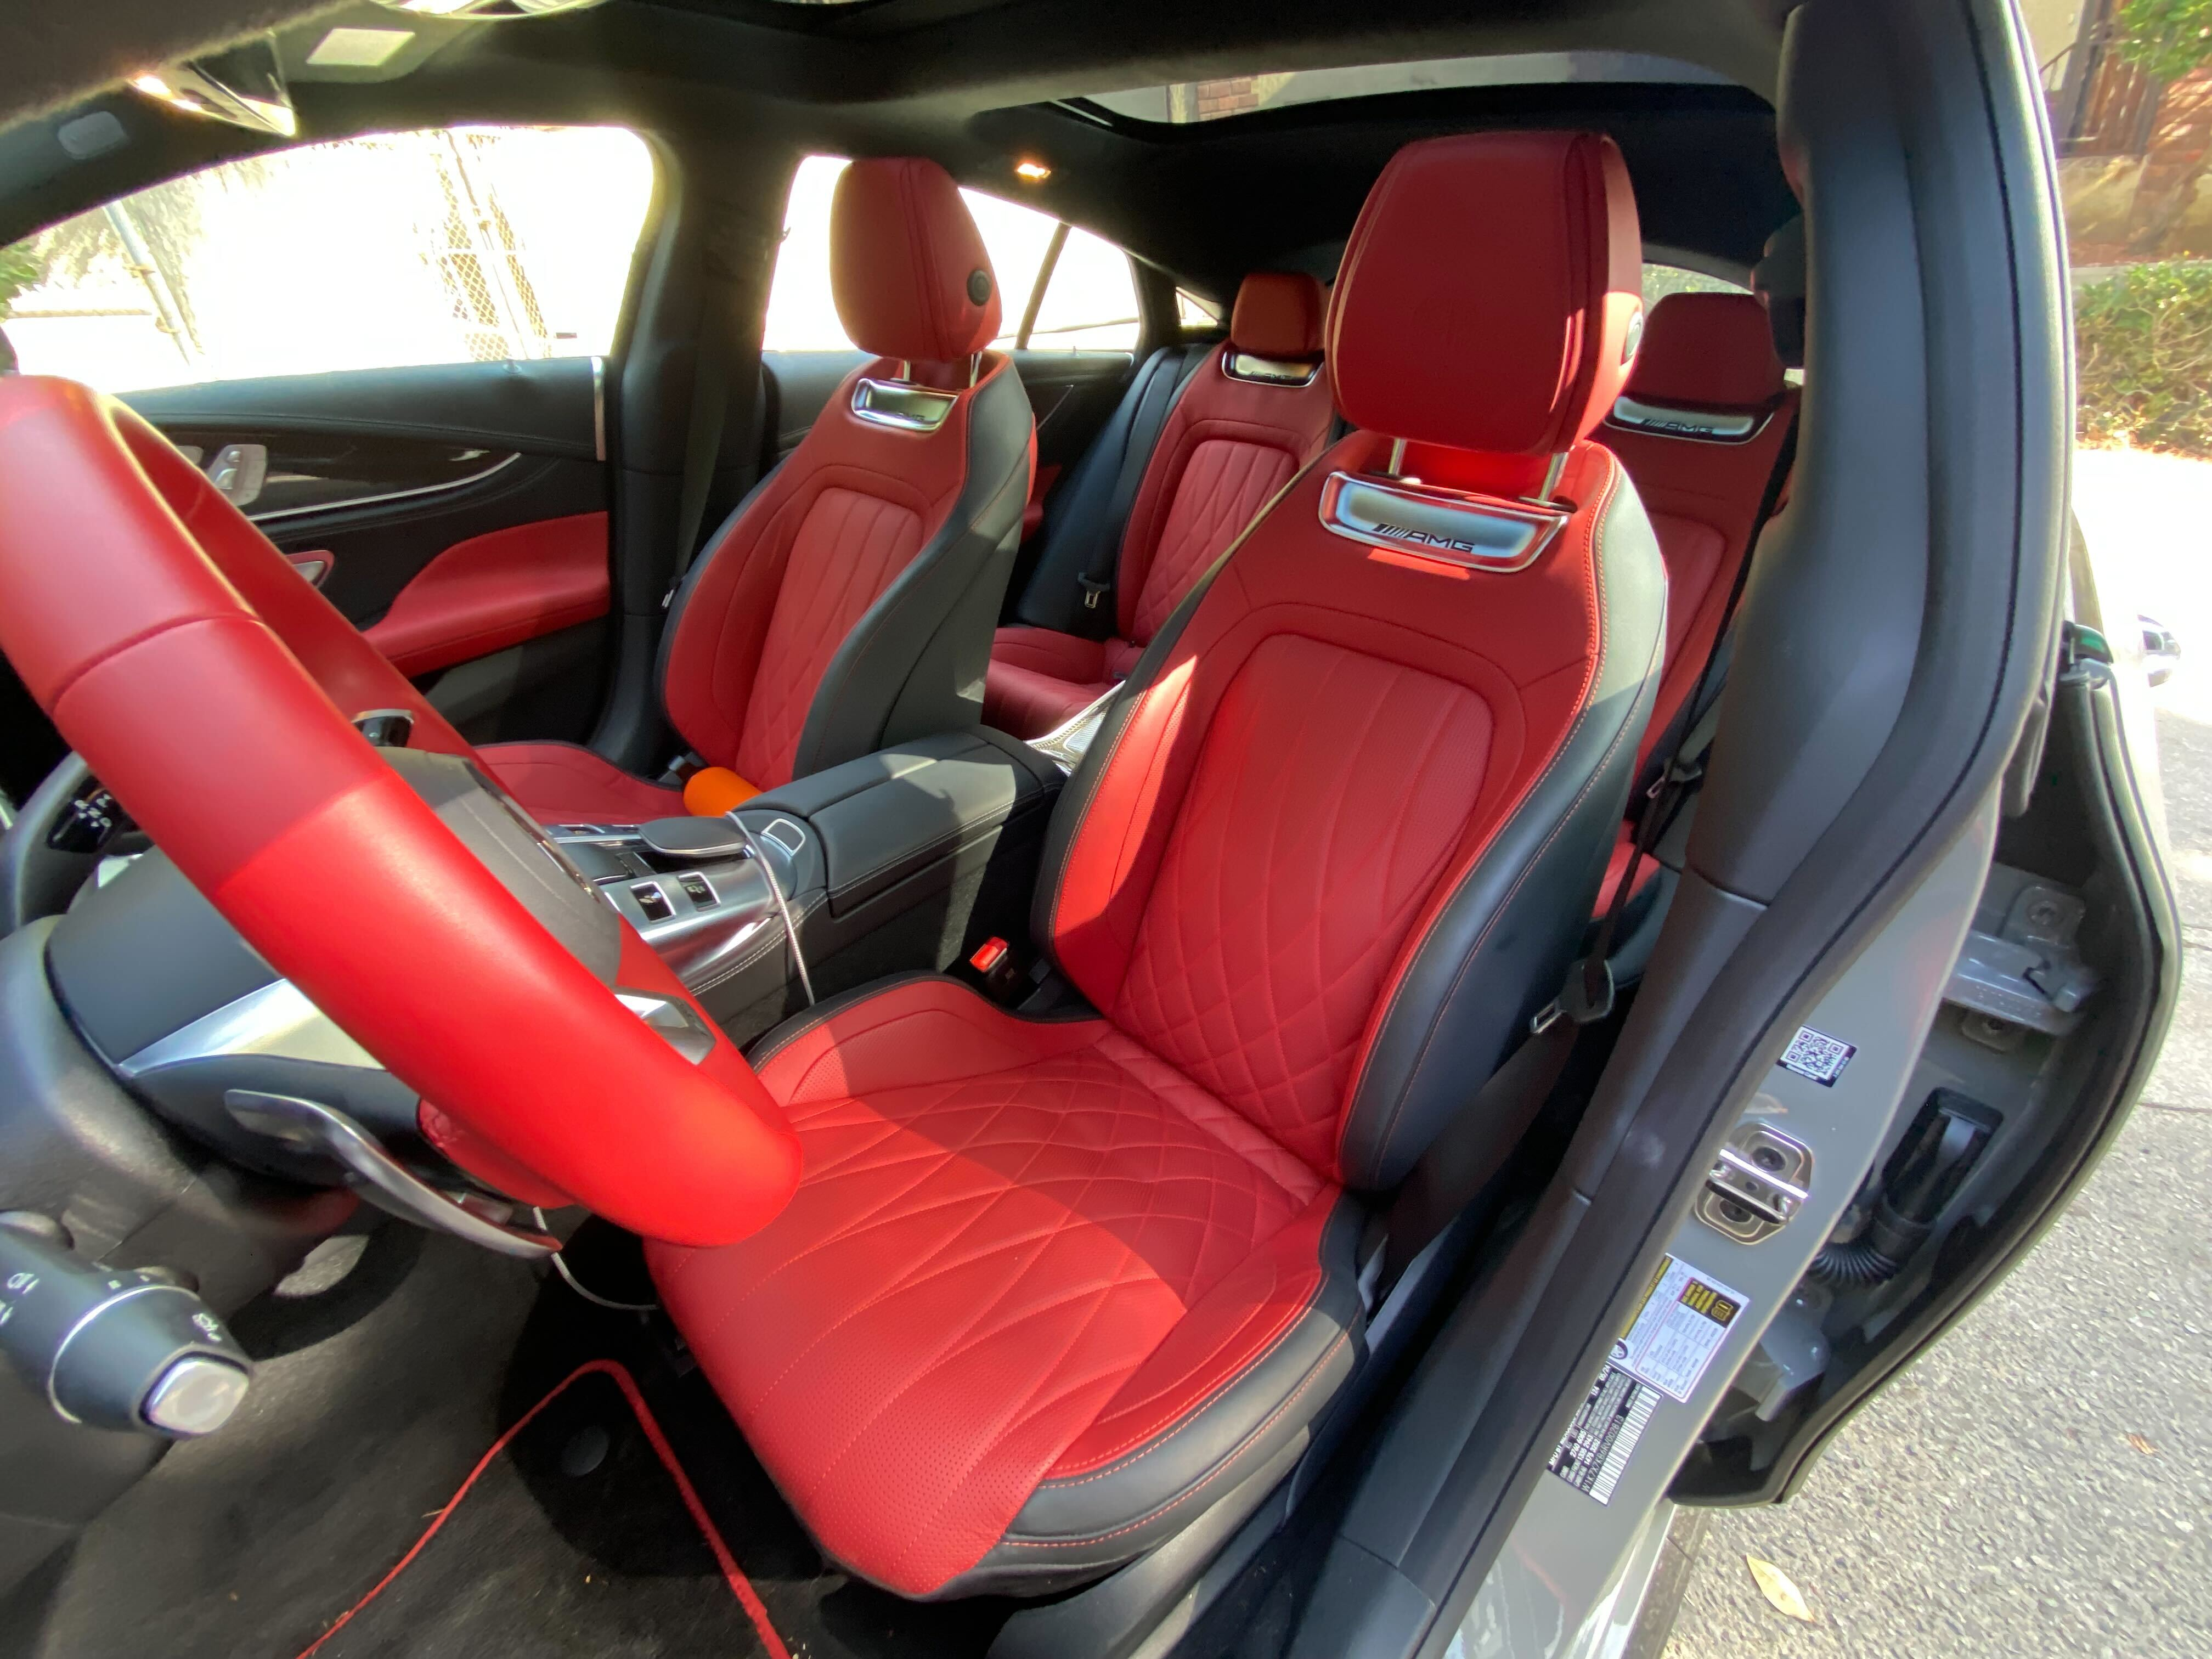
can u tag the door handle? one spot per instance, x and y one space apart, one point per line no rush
239 470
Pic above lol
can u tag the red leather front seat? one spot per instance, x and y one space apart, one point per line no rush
1245 421
848 602
1051 1287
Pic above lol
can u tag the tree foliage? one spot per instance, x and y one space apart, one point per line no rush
20 269
2142 343
2165 39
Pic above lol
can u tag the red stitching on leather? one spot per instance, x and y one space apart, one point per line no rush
1290 1320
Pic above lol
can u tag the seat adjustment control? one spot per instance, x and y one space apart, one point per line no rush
115 1348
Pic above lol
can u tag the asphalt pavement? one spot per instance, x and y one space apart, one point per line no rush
1992 1501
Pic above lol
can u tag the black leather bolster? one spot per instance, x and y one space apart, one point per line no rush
884 815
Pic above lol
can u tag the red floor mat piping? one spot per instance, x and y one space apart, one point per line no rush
740 1586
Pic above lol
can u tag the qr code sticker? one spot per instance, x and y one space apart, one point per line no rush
1816 1056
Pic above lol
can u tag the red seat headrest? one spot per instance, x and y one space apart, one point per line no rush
1713 350
1279 315
1492 293
907 262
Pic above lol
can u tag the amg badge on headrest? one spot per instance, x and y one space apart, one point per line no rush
1482 532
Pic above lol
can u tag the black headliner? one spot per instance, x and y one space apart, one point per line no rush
977 84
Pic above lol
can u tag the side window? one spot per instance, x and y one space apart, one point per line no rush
1195 314
473 245
1660 280
1088 301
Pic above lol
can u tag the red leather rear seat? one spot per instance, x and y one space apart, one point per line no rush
1252 414
1699 428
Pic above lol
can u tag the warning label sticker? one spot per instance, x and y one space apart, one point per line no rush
1816 1056
1598 1444
1685 1318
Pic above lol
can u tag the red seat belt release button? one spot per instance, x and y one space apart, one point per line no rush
988 954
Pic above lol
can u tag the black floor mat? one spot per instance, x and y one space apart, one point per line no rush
373 1404
819 1610
575 1538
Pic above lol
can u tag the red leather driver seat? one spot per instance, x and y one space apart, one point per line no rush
1049 1288
848 602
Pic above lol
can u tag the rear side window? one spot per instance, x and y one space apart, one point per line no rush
1661 280
1075 291
470 245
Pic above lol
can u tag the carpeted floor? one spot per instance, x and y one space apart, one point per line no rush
430 1369
577 1537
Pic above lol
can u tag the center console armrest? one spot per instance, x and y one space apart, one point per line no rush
887 816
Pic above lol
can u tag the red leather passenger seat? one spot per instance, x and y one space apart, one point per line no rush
1701 429
848 602
1051 1288
1246 420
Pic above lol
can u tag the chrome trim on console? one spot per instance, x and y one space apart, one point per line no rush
353 501
276 1020
1481 533
599 409
1265 371
1067 744
903 407
1705 425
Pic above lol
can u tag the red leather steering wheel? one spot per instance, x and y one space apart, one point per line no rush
213 691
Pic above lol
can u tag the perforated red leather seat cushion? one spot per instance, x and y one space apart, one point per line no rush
1022 1250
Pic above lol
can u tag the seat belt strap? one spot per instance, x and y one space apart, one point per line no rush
1686 764
1166 374
729 258
1449 1175
1461 1159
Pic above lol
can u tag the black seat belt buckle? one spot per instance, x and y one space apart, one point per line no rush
1093 592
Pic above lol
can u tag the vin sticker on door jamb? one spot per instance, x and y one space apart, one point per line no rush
1816 1056
1597 1445
1686 1317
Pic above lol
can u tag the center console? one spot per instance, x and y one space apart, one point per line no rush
908 859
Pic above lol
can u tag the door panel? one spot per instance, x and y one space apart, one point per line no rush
546 407
457 512
495 590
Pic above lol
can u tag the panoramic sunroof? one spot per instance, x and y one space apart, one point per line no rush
1185 102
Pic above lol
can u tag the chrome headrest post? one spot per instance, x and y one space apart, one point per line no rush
1552 475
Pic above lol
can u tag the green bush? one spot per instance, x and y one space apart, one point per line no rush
2142 340
19 269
